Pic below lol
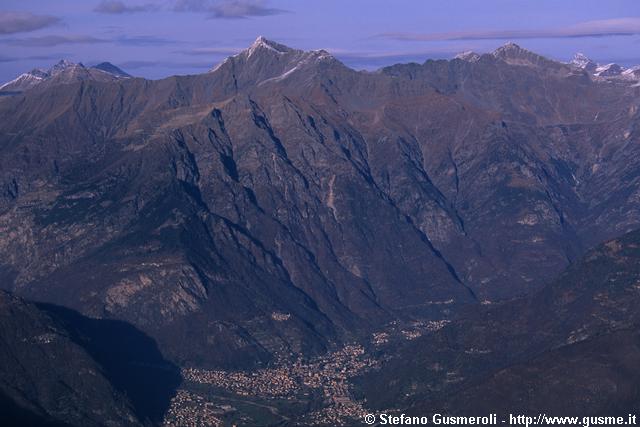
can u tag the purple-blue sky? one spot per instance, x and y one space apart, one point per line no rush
155 39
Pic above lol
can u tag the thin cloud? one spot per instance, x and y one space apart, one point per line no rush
21 22
33 57
228 9
371 60
243 9
133 65
208 51
602 28
8 58
144 41
117 7
54 40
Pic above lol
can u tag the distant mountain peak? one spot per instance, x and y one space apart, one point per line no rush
511 50
513 54
66 63
25 81
64 71
510 45
63 65
633 72
580 57
262 43
469 56
268 61
38 72
608 70
580 60
108 67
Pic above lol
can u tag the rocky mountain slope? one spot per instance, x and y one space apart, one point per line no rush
283 203
570 349
58 368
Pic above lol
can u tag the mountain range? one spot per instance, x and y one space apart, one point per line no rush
63 72
283 205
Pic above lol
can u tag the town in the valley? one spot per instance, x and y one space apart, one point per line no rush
285 390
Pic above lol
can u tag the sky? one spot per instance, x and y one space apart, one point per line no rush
156 39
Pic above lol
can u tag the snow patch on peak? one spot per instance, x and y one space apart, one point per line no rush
580 60
26 80
468 56
220 64
608 70
288 57
632 72
64 71
38 73
322 54
262 43
605 72
280 77
300 61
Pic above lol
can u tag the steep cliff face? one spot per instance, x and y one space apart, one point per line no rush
283 185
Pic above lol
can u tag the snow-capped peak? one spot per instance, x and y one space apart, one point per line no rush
605 72
468 56
580 60
64 72
26 80
633 71
266 61
608 70
262 43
